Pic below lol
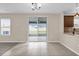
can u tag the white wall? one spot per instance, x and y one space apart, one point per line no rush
53 28
69 41
18 33
19 27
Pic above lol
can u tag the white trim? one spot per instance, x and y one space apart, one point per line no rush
12 42
53 41
69 48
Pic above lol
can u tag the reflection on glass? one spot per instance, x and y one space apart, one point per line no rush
5 23
5 31
5 27
42 24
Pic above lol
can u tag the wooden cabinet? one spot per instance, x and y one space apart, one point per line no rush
68 24
68 21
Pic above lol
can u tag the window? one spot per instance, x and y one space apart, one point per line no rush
5 27
76 22
38 29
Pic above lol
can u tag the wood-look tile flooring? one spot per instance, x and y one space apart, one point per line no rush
39 49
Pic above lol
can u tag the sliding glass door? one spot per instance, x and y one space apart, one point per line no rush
37 29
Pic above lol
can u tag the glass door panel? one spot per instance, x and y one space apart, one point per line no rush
37 29
42 29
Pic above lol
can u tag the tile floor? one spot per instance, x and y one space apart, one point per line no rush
39 49
5 47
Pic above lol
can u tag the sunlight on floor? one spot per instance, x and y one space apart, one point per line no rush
39 49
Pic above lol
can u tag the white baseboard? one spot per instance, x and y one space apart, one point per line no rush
53 41
70 49
12 42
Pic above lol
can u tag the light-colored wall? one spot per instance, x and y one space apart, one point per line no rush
19 27
53 28
69 41
18 31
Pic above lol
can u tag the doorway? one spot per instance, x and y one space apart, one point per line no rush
37 29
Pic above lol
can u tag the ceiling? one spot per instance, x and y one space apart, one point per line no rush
45 8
